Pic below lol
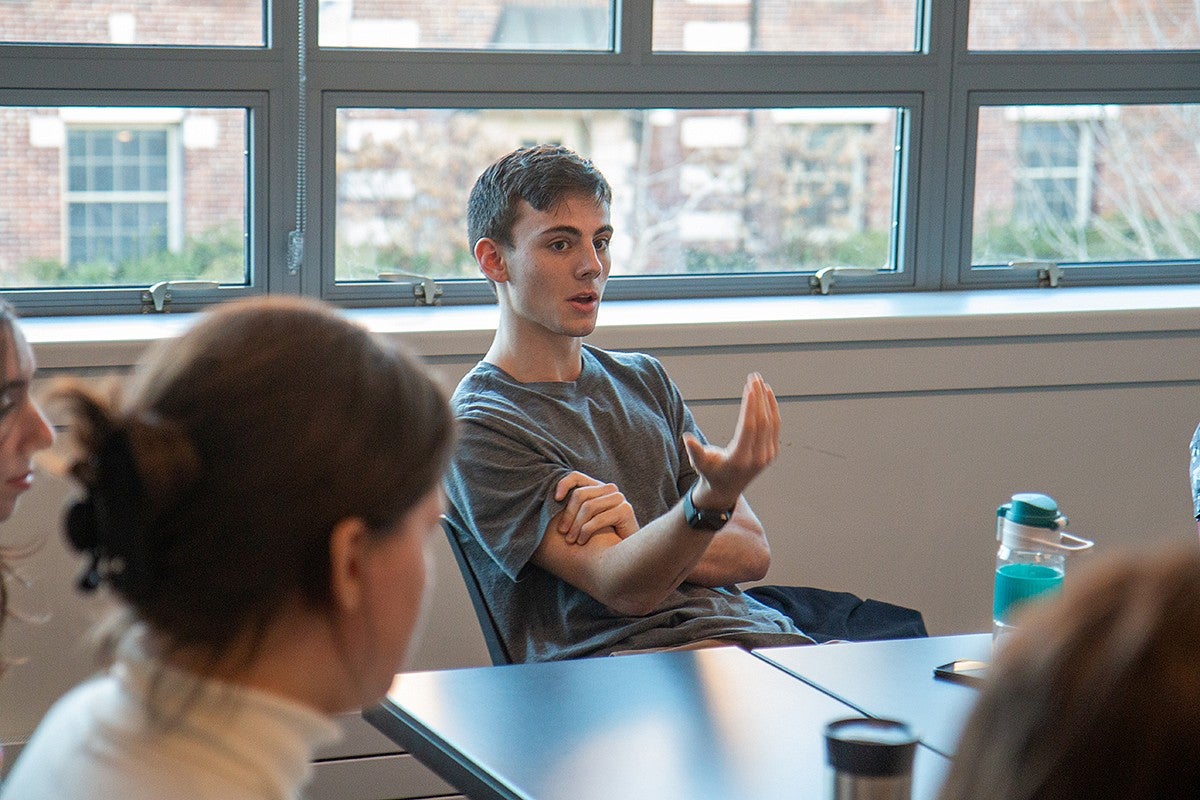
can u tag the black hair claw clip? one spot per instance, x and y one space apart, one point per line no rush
82 533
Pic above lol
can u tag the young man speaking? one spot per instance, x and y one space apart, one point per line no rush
588 502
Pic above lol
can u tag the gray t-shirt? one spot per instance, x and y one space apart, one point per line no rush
621 421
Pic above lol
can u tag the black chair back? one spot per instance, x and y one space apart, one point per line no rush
487 622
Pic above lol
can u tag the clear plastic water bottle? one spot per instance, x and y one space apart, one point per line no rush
1031 559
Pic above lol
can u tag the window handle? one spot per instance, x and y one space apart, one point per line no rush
1047 271
425 288
824 278
160 293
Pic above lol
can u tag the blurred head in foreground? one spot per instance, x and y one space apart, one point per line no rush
265 490
23 432
1098 695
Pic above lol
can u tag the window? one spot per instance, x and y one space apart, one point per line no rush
133 22
326 147
1087 185
118 199
837 167
1084 25
1051 174
786 26
696 191
468 24
123 196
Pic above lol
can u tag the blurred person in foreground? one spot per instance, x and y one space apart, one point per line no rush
1098 695
23 432
1194 473
259 505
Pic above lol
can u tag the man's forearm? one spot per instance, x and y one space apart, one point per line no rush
642 570
596 544
652 563
633 569
738 553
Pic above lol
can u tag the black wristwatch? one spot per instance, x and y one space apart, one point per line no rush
703 519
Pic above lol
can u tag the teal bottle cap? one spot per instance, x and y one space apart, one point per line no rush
1032 509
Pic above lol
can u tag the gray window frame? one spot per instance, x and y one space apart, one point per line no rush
941 86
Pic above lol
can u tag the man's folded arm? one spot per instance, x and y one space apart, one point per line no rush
634 575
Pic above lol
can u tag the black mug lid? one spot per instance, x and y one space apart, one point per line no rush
870 747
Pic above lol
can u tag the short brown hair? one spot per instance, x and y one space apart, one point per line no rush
542 175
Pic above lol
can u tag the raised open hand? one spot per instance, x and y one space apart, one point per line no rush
726 471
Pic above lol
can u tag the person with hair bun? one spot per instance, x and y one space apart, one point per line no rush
260 505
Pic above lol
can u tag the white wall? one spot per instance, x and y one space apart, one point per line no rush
900 439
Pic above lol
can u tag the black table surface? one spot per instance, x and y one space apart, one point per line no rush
893 679
717 724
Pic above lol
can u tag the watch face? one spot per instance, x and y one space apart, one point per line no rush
709 520
705 519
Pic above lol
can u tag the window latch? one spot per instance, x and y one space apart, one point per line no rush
159 295
824 278
425 288
1048 273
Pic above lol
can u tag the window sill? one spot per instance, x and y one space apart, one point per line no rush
73 343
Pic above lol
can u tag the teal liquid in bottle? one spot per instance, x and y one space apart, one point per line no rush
1017 584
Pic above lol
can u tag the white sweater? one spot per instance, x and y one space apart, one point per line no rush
230 743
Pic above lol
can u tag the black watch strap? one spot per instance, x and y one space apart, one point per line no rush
703 519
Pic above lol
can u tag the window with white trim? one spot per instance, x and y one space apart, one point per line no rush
120 202
1053 174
